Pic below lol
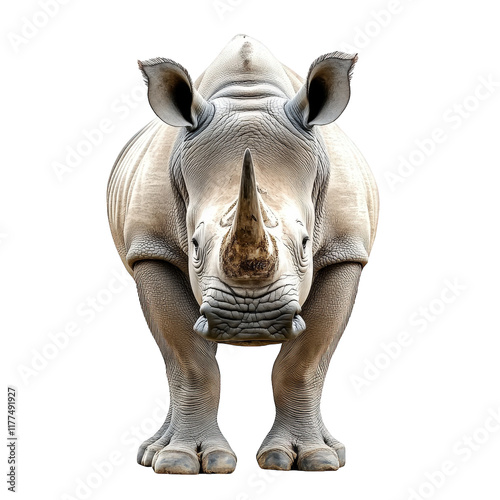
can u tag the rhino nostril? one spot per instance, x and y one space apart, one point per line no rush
297 311
201 325
204 309
298 324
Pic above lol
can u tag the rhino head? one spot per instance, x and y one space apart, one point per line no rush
250 169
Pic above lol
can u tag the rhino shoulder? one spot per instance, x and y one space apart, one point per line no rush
145 212
350 210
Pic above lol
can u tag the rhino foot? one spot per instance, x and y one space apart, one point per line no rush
145 454
174 454
285 451
171 460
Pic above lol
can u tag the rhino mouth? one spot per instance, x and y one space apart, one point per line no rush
270 317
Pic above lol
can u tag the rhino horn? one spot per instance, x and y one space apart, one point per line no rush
248 251
248 225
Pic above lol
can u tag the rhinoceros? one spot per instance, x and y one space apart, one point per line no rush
245 216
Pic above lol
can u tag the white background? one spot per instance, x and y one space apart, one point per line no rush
400 418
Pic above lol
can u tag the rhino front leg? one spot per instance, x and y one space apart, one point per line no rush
190 434
299 437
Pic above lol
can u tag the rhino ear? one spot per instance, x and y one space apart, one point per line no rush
171 93
326 92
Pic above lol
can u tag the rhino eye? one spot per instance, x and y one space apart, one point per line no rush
304 242
195 244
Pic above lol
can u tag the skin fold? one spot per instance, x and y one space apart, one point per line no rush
245 216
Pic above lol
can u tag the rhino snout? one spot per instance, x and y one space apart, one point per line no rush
249 320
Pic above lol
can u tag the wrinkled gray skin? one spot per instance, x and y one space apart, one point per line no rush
245 216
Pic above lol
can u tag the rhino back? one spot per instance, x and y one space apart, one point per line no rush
248 66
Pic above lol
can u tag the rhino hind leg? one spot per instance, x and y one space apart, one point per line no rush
190 440
299 438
